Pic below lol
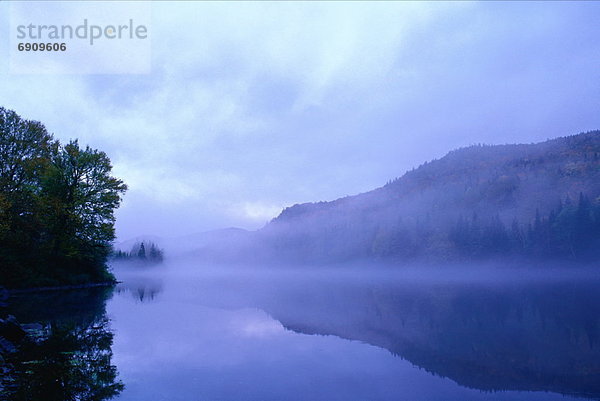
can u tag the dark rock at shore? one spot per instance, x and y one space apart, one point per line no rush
11 330
6 347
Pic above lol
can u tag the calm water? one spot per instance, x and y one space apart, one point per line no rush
186 332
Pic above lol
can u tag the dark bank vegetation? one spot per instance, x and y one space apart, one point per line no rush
56 207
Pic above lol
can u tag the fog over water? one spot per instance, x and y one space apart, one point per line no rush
214 332
189 330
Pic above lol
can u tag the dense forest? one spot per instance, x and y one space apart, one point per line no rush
569 231
534 201
56 207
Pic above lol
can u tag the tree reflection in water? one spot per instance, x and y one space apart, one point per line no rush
67 354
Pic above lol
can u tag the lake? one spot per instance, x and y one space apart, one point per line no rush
186 332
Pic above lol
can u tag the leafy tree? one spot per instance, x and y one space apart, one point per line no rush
56 207
25 149
80 196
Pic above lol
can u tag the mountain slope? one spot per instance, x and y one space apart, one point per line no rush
538 200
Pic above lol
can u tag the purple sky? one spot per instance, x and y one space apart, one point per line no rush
251 107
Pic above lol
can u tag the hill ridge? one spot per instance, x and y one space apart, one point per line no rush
497 184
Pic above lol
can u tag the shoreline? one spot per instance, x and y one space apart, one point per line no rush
18 291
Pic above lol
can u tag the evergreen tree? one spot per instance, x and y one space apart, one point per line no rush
156 254
142 252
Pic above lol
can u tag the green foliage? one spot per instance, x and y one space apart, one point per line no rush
56 207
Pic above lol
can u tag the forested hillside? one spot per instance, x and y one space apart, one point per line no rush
539 201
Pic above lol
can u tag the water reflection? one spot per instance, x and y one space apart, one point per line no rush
522 336
302 335
67 354
532 338
142 292
144 285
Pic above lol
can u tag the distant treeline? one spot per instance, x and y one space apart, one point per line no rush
56 207
146 252
570 231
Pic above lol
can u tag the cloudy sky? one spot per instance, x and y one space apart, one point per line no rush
251 107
